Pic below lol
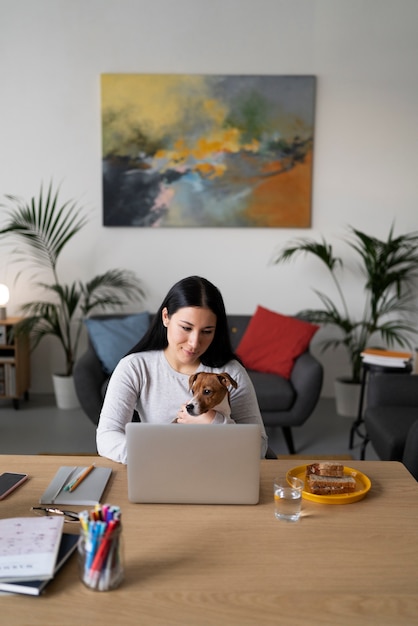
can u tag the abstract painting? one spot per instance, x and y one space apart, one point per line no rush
181 150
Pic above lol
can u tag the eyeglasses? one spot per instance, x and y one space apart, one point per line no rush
69 516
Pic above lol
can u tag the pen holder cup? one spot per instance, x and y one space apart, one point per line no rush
100 559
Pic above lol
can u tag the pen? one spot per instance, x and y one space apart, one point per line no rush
72 479
96 530
102 552
80 478
62 485
100 541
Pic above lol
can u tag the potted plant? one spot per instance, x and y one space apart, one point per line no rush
45 226
388 268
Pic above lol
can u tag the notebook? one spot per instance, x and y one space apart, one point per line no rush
193 463
29 547
35 587
89 492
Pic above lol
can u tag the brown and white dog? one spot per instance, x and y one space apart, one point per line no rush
210 391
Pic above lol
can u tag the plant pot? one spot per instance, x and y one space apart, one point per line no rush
65 394
347 397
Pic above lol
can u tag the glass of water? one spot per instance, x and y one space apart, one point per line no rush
288 498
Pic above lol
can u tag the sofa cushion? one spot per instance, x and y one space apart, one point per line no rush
112 338
272 342
273 393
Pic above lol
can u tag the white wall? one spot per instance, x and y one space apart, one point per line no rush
364 54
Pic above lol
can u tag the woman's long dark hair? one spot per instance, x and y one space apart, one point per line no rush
193 291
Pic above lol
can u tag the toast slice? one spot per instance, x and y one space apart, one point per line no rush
325 468
331 485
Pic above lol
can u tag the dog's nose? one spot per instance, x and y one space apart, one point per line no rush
189 408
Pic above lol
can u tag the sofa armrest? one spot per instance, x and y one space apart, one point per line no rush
410 455
392 390
306 378
89 378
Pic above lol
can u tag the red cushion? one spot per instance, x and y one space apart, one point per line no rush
272 342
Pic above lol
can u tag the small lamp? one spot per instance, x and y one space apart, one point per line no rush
4 299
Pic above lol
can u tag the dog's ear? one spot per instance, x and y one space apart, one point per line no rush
192 380
226 380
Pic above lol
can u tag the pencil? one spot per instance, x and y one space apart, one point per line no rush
81 478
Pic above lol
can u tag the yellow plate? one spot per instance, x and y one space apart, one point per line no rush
363 485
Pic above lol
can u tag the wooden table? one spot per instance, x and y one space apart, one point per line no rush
226 565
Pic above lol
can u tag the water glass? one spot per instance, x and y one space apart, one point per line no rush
288 498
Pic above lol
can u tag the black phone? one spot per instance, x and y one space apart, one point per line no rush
9 481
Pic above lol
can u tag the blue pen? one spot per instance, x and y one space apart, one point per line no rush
96 529
88 546
72 482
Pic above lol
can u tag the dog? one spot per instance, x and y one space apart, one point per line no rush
210 391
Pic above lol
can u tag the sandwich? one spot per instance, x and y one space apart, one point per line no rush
325 468
331 485
327 478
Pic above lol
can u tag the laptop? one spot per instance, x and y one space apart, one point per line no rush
193 463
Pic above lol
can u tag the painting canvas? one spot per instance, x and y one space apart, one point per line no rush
207 150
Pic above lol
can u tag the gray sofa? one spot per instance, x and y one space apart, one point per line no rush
391 418
283 403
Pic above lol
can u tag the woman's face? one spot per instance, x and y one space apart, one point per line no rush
190 331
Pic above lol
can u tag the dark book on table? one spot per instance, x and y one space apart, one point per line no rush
35 587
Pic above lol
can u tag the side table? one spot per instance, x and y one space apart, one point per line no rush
356 429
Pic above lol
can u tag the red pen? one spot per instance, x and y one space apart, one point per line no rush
102 552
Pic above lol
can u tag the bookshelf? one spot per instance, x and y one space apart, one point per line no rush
14 362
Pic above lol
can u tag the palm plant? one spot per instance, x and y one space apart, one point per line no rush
45 227
389 269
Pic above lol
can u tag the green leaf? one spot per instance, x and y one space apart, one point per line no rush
388 274
43 227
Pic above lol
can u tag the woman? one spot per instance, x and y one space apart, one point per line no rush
189 334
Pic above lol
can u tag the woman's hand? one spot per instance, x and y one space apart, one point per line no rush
183 417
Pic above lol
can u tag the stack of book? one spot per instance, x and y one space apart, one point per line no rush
386 358
3 335
7 363
32 550
7 377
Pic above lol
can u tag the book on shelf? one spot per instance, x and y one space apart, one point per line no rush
10 379
6 335
6 359
386 358
7 379
67 546
29 547
2 380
